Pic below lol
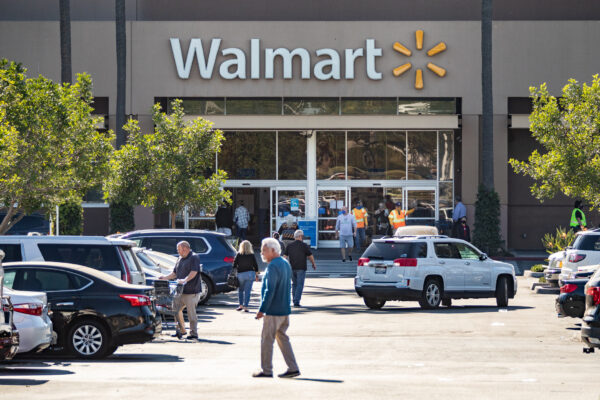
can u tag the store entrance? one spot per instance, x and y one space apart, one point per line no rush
256 200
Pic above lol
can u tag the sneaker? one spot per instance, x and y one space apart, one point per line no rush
240 308
178 335
190 337
296 304
343 260
289 374
350 257
261 375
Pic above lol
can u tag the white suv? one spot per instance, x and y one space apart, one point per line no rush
584 252
430 270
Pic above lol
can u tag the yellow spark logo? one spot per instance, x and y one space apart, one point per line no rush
438 48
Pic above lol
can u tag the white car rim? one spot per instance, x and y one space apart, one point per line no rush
87 340
433 294
204 290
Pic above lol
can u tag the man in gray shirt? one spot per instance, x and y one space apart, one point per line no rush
345 230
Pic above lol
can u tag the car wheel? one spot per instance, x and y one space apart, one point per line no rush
447 302
88 339
111 350
206 290
373 303
432 294
502 292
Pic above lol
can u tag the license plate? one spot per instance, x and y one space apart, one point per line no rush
380 270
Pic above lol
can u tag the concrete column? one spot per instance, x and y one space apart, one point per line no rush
470 163
311 176
501 169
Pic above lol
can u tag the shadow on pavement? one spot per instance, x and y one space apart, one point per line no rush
319 380
66 360
344 309
13 369
22 382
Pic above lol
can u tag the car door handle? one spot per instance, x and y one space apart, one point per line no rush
67 304
442 262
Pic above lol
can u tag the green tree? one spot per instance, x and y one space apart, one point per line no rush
166 169
568 130
121 217
70 216
50 149
486 234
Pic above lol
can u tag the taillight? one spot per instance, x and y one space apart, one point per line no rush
136 300
568 288
576 257
595 293
363 261
228 259
405 262
29 309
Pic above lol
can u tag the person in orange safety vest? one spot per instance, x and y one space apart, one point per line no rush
360 215
398 216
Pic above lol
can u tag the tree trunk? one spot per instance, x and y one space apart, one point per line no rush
65 41
487 120
173 215
121 70
9 219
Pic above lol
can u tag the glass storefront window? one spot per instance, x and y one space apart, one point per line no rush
422 155
330 204
331 155
446 149
253 106
395 155
446 200
423 204
248 155
291 155
376 155
316 106
291 202
370 198
381 106
192 106
424 106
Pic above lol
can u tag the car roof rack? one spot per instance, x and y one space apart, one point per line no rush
413 236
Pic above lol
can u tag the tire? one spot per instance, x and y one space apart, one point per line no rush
447 302
88 339
373 303
502 292
432 294
111 350
206 294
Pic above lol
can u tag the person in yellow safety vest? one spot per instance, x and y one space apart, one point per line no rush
578 222
360 215
398 217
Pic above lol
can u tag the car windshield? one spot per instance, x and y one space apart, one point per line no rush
393 250
587 242
145 260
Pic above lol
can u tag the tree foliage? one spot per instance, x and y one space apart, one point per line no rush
486 234
50 150
121 217
568 129
70 216
166 169
559 241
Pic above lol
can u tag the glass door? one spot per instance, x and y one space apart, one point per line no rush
330 203
423 200
288 207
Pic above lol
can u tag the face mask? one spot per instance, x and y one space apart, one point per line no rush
343 212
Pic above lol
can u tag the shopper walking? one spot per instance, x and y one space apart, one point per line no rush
361 217
275 309
247 272
382 223
462 230
241 219
187 272
296 253
345 230
224 219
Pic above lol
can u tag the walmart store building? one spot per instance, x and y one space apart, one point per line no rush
323 103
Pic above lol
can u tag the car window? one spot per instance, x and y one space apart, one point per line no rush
46 280
100 257
166 245
446 250
467 252
394 250
129 259
587 242
145 260
198 245
9 278
12 252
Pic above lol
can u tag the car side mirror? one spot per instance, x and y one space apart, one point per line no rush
483 257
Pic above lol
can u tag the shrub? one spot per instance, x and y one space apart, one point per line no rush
121 217
538 268
559 241
486 234
70 218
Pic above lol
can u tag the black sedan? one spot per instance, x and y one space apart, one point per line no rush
571 301
590 325
93 313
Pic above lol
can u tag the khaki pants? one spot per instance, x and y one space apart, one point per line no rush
274 328
189 301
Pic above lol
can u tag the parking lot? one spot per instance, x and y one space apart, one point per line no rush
344 350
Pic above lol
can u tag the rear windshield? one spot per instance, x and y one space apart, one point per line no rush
587 242
168 245
393 250
97 256
12 252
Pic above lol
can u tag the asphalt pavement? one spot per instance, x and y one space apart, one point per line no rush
345 351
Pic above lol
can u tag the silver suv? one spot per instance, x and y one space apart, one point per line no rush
432 270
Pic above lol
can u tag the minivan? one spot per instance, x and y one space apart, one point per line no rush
113 256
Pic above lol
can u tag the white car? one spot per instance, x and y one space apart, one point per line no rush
584 252
31 319
431 270
159 262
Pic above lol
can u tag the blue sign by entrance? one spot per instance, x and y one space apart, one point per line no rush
294 204
310 231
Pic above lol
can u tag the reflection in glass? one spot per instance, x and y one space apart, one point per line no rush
330 204
423 203
203 106
250 106
248 155
446 200
385 106
423 106
291 202
369 196
446 149
395 154
376 155
317 106
291 155
331 160
422 155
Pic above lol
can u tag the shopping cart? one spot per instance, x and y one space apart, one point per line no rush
167 294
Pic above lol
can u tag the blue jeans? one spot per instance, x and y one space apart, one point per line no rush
246 279
361 238
297 285
241 233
